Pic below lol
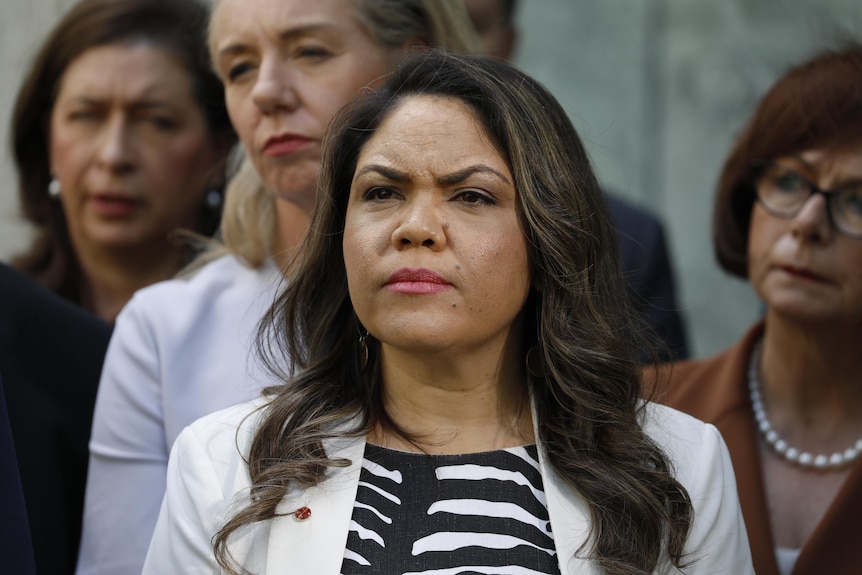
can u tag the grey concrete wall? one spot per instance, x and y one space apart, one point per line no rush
657 88
23 25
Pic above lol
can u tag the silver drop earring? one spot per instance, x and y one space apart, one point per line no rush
54 188
213 199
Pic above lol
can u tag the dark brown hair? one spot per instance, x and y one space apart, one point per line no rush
814 105
587 402
178 26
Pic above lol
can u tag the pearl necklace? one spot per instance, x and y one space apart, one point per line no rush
804 459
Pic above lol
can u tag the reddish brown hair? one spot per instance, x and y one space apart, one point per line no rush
817 104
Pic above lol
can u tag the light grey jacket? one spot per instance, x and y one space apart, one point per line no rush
208 479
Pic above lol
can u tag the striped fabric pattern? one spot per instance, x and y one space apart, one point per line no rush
480 513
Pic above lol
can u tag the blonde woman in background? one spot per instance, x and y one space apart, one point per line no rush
180 349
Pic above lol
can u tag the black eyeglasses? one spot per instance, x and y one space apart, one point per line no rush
783 191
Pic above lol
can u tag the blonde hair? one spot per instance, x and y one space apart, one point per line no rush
248 207
248 224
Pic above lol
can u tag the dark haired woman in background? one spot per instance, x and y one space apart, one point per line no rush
788 397
120 135
465 392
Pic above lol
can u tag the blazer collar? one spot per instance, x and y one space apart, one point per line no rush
316 544
570 519
568 512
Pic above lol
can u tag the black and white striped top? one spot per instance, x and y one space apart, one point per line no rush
419 514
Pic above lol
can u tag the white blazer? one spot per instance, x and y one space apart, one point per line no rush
208 479
180 349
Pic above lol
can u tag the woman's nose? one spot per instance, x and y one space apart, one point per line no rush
274 88
115 147
812 221
422 224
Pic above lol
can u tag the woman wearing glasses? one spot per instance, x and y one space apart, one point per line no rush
788 396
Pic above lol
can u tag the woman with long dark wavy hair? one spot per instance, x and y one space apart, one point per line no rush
464 391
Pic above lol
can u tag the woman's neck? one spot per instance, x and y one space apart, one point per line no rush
452 405
811 378
292 223
111 277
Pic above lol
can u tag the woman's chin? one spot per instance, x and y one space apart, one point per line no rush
124 238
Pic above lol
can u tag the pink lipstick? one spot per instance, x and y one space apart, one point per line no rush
113 205
416 282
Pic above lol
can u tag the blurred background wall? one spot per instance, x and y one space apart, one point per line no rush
658 89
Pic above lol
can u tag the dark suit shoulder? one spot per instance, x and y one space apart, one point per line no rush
633 221
15 545
648 271
51 355
26 303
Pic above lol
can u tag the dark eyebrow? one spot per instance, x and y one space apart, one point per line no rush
447 180
144 104
286 35
388 173
844 184
801 162
461 175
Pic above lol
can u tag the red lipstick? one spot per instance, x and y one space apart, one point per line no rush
285 144
416 282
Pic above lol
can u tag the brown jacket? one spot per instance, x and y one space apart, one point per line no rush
716 391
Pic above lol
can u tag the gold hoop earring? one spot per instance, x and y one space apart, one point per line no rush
363 356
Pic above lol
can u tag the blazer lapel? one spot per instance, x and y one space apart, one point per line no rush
569 521
316 544
834 545
568 513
